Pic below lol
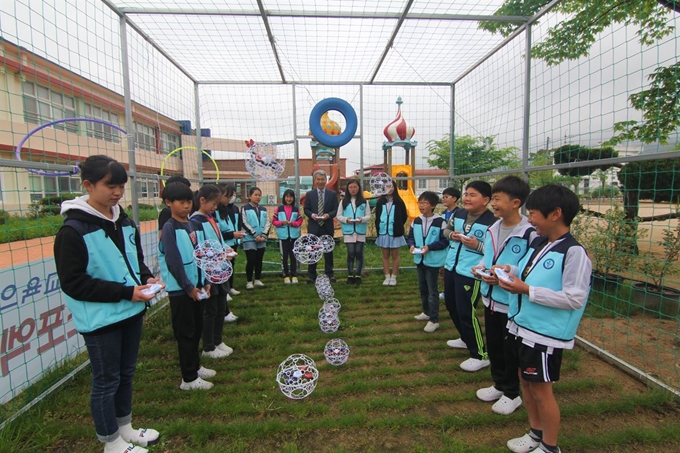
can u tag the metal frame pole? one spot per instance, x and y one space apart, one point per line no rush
128 119
527 105
296 146
199 147
361 133
452 160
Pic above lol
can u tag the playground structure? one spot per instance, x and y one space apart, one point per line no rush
399 133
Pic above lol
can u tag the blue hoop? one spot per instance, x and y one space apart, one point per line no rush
342 106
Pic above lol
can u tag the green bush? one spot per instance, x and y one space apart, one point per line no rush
52 205
4 217
142 207
605 192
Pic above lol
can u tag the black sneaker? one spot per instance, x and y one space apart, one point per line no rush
332 279
357 281
310 281
350 280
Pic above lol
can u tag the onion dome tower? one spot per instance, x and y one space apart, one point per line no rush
399 133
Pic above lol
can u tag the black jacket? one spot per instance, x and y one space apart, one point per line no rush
400 214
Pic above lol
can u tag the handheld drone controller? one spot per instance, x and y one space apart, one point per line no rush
501 274
153 289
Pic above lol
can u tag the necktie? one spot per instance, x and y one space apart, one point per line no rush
319 211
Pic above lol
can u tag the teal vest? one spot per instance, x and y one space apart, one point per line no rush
186 251
287 231
386 221
227 226
461 258
257 219
514 250
433 258
547 271
106 262
350 213
204 230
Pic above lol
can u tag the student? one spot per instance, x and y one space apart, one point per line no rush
450 197
354 213
186 285
466 231
506 242
165 213
553 281
206 200
256 224
390 217
429 246
100 264
228 217
287 221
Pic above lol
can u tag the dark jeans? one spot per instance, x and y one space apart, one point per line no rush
503 373
233 264
429 292
355 251
113 358
286 247
214 311
187 325
254 263
328 266
462 296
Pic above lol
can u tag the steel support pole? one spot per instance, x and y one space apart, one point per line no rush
129 126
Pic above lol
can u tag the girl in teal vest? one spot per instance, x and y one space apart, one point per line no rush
256 225
354 214
215 308
228 217
287 221
100 264
390 217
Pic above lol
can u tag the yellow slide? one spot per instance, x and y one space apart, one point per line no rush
407 194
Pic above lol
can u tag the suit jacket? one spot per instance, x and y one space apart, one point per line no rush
330 207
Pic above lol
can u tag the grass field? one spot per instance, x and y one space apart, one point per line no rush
400 391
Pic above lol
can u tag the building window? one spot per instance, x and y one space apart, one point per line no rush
47 186
169 142
145 137
102 131
147 189
42 105
443 183
422 184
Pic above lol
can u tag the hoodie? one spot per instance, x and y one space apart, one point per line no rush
99 262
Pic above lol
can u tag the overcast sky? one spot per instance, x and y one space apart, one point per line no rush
576 102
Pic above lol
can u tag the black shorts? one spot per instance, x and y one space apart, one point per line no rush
538 363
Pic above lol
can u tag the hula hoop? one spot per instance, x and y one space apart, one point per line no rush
340 105
76 169
217 170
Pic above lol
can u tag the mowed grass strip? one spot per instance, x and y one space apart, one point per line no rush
401 390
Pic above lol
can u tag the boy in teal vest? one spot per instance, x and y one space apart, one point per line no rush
506 242
466 231
428 245
553 283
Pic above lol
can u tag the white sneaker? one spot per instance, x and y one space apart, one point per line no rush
506 406
541 450
258 283
524 444
286 280
214 354
205 373
456 344
422 317
442 296
121 445
431 327
224 348
388 279
489 394
393 280
249 285
229 299
233 292
198 384
471 365
294 280
231 317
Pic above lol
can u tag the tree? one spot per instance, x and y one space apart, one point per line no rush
572 39
470 155
575 153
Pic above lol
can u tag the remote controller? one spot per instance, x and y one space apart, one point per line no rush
231 254
500 273
417 251
202 295
483 273
153 289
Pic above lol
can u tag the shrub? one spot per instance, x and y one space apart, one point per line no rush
605 192
142 207
4 217
52 205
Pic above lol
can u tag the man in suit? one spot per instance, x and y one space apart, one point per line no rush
321 207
